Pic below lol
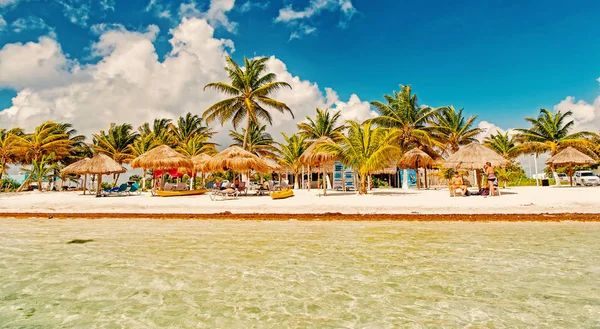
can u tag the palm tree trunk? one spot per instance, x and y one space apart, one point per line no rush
116 179
363 184
99 184
246 132
40 184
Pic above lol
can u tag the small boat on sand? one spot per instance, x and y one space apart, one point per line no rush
283 194
180 193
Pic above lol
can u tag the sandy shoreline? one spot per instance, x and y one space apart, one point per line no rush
383 204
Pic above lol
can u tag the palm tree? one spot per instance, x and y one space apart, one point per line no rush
49 137
250 91
503 144
550 133
290 153
324 125
189 126
161 131
144 144
258 141
9 148
365 147
39 170
116 143
403 112
452 130
195 146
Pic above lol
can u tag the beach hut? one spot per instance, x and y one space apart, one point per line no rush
311 157
78 168
571 157
416 159
236 159
164 158
102 164
473 157
200 164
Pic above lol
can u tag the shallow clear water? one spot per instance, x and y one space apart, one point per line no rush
228 274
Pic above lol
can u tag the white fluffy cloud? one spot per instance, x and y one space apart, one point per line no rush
4 3
2 23
216 14
296 18
586 115
130 84
30 23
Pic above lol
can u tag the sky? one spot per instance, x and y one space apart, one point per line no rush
93 62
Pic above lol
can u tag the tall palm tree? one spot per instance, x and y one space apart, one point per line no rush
39 170
116 143
48 138
290 153
10 148
250 88
189 126
195 146
324 125
503 144
258 141
365 147
161 131
550 133
403 112
452 130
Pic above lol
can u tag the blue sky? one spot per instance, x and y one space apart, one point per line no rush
500 59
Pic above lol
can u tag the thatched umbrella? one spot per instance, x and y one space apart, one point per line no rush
416 159
474 156
162 157
311 157
570 156
199 163
102 164
77 168
236 159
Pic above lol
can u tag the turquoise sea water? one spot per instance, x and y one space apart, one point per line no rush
230 274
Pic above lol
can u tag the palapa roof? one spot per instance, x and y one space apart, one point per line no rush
102 164
272 164
474 156
77 168
416 157
237 159
570 156
162 157
311 157
200 161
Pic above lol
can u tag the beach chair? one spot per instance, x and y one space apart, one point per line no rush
181 186
135 188
224 194
169 187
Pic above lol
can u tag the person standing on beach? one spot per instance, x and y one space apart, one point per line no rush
491 177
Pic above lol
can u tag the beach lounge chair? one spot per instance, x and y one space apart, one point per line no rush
224 194
168 187
181 186
134 189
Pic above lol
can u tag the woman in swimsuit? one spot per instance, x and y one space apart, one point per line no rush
491 177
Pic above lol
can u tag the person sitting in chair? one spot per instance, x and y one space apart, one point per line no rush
457 182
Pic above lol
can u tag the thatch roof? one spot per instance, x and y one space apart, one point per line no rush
237 159
474 156
200 162
570 156
273 165
311 157
102 164
415 158
162 157
77 168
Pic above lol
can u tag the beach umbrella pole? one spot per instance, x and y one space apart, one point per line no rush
84 183
571 173
99 184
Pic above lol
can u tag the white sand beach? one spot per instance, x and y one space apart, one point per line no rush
519 200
